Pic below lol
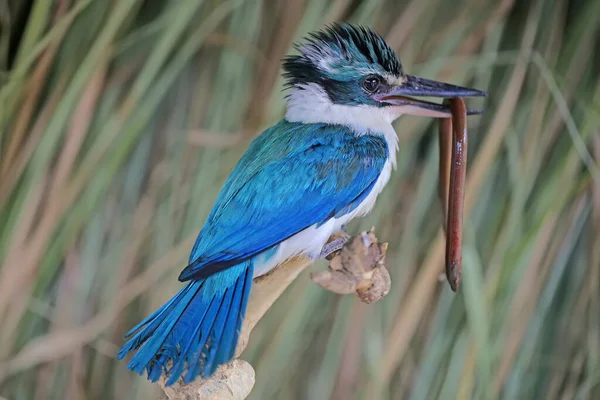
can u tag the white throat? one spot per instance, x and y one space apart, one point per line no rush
310 104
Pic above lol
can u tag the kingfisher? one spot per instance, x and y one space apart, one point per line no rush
298 183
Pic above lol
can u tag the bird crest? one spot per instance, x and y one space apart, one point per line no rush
341 53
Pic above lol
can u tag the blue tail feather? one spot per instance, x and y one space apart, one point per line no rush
199 342
196 331
233 325
227 340
224 330
210 341
190 335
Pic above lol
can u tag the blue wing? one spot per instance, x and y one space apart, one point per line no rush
292 176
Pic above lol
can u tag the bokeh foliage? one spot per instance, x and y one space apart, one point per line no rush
120 119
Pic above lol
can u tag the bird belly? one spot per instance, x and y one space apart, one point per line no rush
310 241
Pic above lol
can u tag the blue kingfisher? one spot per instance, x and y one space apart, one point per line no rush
299 182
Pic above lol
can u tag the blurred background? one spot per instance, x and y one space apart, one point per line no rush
120 120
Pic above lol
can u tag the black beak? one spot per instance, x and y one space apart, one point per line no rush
415 86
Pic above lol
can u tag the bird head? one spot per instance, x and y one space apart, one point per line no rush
346 70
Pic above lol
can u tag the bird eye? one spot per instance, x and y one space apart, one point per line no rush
371 83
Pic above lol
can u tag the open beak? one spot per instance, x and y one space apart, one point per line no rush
415 86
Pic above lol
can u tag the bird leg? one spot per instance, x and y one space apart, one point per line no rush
333 246
453 169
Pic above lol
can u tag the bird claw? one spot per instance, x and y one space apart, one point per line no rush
333 246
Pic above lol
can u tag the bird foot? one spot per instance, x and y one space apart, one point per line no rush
333 246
